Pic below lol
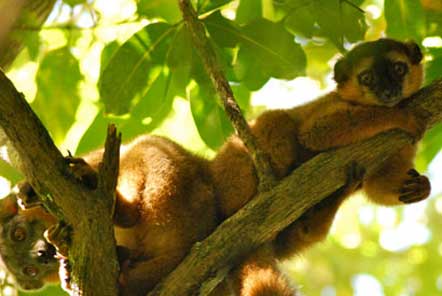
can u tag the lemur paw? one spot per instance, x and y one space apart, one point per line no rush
82 171
59 235
415 188
26 196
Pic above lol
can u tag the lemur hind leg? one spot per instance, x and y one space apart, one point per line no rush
315 223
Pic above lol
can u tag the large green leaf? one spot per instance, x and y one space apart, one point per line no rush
157 102
405 19
57 98
126 78
223 31
107 54
268 50
167 10
248 10
210 119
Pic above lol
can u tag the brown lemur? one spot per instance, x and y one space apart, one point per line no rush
165 203
372 79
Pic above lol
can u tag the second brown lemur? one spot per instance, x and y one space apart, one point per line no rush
168 198
372 80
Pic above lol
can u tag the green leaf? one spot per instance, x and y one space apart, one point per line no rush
179 61
157 102
223 31
74 2
242 96
319 56
125 79
338 19
167 10
212 123
301 21
10 173
405 19
430 146
32 42
57 97
248 10
268 50
433 69
95 136
209 5
107 54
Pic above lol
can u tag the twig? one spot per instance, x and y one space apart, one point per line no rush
221 85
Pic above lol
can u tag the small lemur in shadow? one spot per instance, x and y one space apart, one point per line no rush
167 198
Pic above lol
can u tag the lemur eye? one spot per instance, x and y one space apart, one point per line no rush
400 68
30 270
366 78
19 234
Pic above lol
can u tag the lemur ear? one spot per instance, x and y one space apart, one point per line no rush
341 70
414 52
8 207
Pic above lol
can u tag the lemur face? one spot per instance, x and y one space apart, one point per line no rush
381 72
23 249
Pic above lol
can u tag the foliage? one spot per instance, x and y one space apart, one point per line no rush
132 63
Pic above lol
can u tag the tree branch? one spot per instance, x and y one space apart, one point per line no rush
92 254
222 87
270 212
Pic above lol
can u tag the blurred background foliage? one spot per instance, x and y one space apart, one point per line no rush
131 62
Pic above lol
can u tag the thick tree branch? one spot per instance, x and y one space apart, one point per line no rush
222 87
270 212
89 212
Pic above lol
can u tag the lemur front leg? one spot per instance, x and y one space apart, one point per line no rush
396 181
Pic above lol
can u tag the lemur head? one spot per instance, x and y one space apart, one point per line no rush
23 249
381 72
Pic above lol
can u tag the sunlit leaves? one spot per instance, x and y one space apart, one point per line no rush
337 20
405 19
57 98
126 76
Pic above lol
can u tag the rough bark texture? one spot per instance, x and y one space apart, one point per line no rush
222 87
89 212
272 211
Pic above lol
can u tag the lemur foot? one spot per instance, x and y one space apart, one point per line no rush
59 235
82 171
26 196
416 188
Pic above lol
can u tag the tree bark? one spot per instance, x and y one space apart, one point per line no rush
92 253
270 212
